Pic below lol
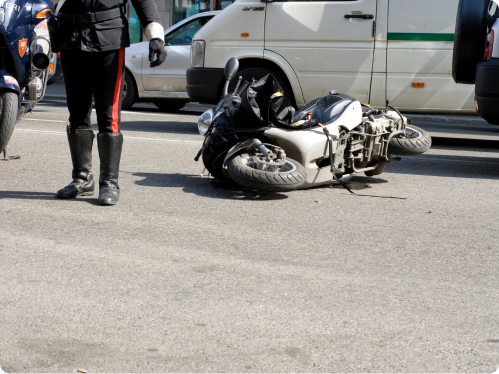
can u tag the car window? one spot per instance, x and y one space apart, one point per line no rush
184 34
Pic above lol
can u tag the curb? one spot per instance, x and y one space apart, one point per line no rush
450 119
463 142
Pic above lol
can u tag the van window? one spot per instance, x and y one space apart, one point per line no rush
184 34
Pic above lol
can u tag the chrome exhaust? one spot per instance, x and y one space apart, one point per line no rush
40 64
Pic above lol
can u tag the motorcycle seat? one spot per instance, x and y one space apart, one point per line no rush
325 110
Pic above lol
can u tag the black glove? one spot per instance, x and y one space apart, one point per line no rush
156 48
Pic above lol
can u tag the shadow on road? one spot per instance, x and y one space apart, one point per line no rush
43 196
153 109
357 183
168 126
204 186
452 166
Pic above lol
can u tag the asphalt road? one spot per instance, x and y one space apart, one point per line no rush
185 276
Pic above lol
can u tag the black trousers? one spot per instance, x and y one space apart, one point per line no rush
94 73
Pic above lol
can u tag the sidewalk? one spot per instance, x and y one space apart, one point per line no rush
444 129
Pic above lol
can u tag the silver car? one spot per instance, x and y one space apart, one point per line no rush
165 84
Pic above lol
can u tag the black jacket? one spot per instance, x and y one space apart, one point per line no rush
104 35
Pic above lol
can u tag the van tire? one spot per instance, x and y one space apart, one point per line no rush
469 40
258 73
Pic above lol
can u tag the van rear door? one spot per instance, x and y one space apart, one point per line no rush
419 58
329 44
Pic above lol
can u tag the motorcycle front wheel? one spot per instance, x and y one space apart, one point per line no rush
244 171
8 117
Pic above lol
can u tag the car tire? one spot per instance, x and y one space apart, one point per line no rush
258 73
129 91
167 105
469 40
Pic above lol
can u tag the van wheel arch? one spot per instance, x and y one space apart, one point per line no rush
248 63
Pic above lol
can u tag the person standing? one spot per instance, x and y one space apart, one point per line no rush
93 35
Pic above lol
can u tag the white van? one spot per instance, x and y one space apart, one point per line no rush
374 50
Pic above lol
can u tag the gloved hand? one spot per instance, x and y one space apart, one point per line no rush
156 48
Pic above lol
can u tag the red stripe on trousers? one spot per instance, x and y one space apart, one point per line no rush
117 93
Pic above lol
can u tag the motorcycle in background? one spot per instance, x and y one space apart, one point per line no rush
252 141
24 61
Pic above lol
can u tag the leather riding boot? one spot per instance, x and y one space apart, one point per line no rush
110 146
80 146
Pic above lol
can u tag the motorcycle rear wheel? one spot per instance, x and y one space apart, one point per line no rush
8 117
289 177
415 142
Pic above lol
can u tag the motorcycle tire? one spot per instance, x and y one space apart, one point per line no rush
469 40
292 178
415 142
8 117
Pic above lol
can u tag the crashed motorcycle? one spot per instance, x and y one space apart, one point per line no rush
251 140
24 61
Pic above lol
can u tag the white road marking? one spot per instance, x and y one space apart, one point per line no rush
43 120
60 133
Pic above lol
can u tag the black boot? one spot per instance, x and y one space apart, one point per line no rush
80 146
110 153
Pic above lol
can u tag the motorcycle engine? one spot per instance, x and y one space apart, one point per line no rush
366 142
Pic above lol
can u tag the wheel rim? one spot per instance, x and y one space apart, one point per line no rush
251 161
125 86
412 133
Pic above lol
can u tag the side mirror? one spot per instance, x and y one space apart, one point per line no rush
231 68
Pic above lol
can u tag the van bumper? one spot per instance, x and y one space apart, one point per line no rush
203 84
487 90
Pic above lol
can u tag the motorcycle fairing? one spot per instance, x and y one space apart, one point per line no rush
257 110
261 101
10 59
16 14
215 148
19 23
326 109
309 145
8 83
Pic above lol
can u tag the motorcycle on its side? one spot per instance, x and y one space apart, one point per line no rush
252 141
24 61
